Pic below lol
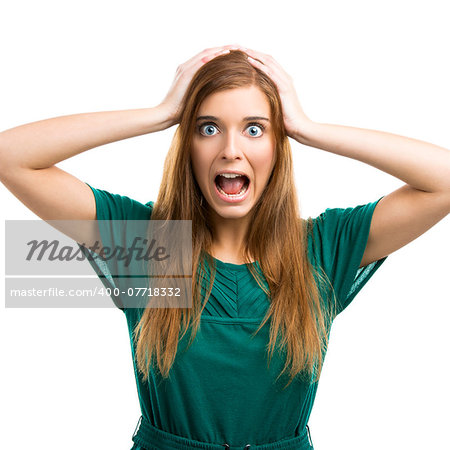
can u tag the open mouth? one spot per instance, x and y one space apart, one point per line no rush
232 185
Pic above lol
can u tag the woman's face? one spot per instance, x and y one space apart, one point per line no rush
236 138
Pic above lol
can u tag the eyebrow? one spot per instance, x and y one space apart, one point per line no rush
245 118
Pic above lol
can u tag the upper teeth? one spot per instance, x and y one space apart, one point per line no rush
230 175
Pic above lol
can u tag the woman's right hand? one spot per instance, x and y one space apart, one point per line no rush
172 103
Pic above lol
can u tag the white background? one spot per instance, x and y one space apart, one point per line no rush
68 380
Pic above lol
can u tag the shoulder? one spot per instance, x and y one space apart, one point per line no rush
112 206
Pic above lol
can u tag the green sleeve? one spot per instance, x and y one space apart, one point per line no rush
339 239
114 212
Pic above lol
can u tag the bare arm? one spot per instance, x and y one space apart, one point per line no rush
404 214
28 153
39 145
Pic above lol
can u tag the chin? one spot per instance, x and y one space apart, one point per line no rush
232 212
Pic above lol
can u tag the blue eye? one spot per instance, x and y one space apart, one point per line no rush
254 127
208 127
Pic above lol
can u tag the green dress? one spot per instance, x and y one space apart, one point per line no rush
220 390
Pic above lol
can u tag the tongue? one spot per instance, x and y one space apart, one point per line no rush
231 185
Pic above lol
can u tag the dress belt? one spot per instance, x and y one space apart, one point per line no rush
152 438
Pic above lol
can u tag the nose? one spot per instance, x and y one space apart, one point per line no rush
231 146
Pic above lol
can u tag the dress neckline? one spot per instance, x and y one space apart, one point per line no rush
230 266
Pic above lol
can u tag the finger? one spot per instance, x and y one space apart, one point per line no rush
211 51
205 56
209 57
280 78
257 55
193 64
259 65
197 64
269 66
268 60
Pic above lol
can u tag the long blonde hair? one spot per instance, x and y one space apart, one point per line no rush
277 239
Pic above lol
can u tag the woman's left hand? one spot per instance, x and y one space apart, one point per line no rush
295 118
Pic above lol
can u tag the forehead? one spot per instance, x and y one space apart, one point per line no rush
243 101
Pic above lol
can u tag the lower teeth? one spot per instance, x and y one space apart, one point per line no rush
244 188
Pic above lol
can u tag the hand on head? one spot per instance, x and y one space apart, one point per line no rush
295 118
172 102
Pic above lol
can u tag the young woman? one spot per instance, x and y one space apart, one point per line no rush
239 369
